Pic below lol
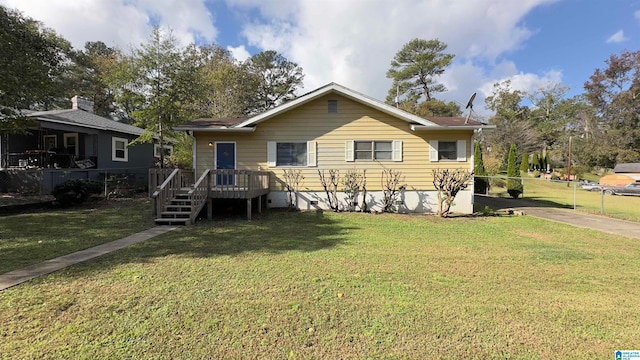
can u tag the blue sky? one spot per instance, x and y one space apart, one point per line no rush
576 37
531 42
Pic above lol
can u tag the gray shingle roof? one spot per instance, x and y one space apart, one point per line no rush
85 119
627 168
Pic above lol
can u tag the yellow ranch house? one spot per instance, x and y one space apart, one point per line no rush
332 127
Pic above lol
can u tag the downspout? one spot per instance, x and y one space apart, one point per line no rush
473 162
194 156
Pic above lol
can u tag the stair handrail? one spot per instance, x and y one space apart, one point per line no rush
199 194
166 191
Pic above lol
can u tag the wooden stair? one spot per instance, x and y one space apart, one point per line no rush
177 211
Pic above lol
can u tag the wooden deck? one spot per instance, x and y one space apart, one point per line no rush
212 184
238 184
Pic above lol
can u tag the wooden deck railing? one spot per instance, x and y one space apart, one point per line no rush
166 191
239 184
199 194
212 184
157 176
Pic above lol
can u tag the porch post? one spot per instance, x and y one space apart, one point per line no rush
249 209
209 201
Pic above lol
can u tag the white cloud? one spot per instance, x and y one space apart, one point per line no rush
526 82
618 37
239 53
347 41
637 14
119 23
356 46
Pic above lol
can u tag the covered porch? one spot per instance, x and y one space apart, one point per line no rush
178 197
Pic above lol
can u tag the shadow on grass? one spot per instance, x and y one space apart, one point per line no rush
276 231
498 203
32 237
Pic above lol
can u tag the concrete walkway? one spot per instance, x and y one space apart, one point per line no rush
568 216
19 276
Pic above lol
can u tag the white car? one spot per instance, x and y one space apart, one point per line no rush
591 186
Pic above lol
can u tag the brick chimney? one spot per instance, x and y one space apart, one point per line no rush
82 104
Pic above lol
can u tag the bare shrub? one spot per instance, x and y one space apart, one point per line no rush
330 184
353 183
293 178
449 183
391 188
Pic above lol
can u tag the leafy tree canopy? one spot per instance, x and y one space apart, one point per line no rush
277 79
31 57
614 93
511 120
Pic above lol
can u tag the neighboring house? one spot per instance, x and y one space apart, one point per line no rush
74 139
623 174
335 127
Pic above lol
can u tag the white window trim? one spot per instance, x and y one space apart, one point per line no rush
65 138
350 153
156 149
272 154
461 151
113 149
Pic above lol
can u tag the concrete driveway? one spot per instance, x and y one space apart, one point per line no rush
564 215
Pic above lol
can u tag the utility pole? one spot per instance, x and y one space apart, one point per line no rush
569 164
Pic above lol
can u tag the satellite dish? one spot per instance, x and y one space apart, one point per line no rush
470 107
470 102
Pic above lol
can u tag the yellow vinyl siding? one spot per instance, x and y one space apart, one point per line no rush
353 121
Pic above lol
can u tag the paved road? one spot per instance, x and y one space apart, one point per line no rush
564 215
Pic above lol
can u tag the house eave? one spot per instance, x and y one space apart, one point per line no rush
447 128
45 120
222 130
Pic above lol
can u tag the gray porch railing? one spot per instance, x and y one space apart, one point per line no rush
239 184
166 191
158 176
212 184
199 194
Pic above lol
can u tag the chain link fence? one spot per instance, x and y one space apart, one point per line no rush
115 182
575 195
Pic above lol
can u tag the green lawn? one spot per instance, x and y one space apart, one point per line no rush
621 207
34 237
329 286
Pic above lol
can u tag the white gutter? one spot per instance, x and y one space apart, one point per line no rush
441 128
240 130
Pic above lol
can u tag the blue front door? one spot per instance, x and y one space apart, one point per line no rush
225 160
